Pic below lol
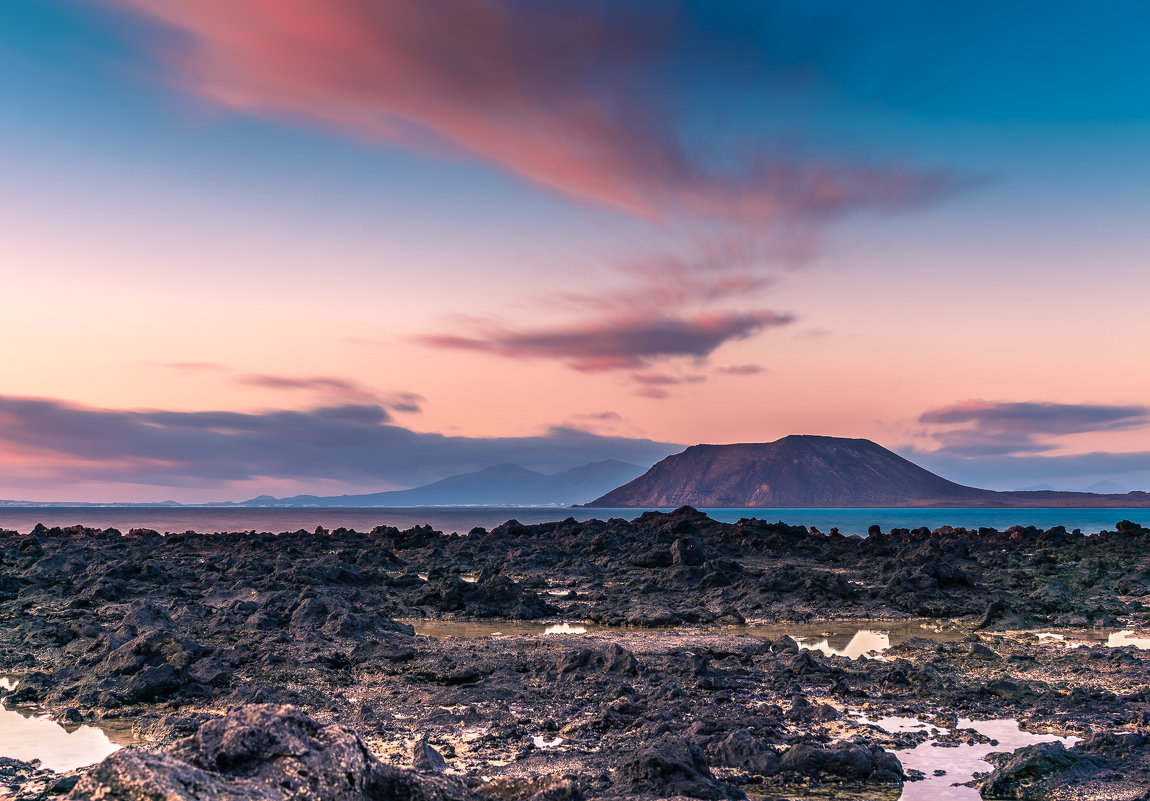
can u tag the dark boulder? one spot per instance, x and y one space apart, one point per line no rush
671 766
611 659
1016 775
686 552
997 612
424 757
804 662
744 751
842 761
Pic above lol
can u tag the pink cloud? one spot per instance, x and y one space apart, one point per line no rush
602 417
334 387
553 94
741 369
328 384
655 385
668 305
614 344
662 379
193 367
342 388
700 273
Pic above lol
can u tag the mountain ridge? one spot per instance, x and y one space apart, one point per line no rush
496 485
813 471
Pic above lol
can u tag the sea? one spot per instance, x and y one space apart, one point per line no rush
462 519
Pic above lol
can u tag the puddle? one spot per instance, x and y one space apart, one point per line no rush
26 736
848 638
1119 638
470 578
1110 638
566 628
541 742
853 639
444 629
863 641
960 761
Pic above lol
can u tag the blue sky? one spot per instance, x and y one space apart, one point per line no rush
650 223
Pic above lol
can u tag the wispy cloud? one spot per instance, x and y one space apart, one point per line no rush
602 417
741 369
987 428
599 346
585 99
682 304
334 389
506 82
346 388
192 367
698 273
355 443
654 385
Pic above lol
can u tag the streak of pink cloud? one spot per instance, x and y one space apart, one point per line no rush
602 345
741 369
549 93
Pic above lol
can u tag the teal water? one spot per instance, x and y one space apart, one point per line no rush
463 519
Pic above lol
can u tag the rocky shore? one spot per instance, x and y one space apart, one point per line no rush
277 666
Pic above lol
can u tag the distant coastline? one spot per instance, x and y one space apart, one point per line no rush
463 519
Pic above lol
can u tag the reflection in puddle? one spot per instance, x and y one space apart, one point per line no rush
1112 639
444 629
540 742
26 737
566 628
862 642
850 639
1119 638
470 578
959 761
853 639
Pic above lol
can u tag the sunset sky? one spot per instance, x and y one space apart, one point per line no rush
283 246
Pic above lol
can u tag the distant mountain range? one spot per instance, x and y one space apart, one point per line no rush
812 472
11 504
799 471
498 485
1104 487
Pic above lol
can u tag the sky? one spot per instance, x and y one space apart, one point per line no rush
334 246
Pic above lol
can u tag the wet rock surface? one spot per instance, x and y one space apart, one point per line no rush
302 634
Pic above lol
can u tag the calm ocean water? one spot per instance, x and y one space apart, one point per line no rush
463 519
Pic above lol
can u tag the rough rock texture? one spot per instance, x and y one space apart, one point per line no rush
161 633
1114 766
264 753
671 766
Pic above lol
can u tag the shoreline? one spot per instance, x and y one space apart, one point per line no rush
462 520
